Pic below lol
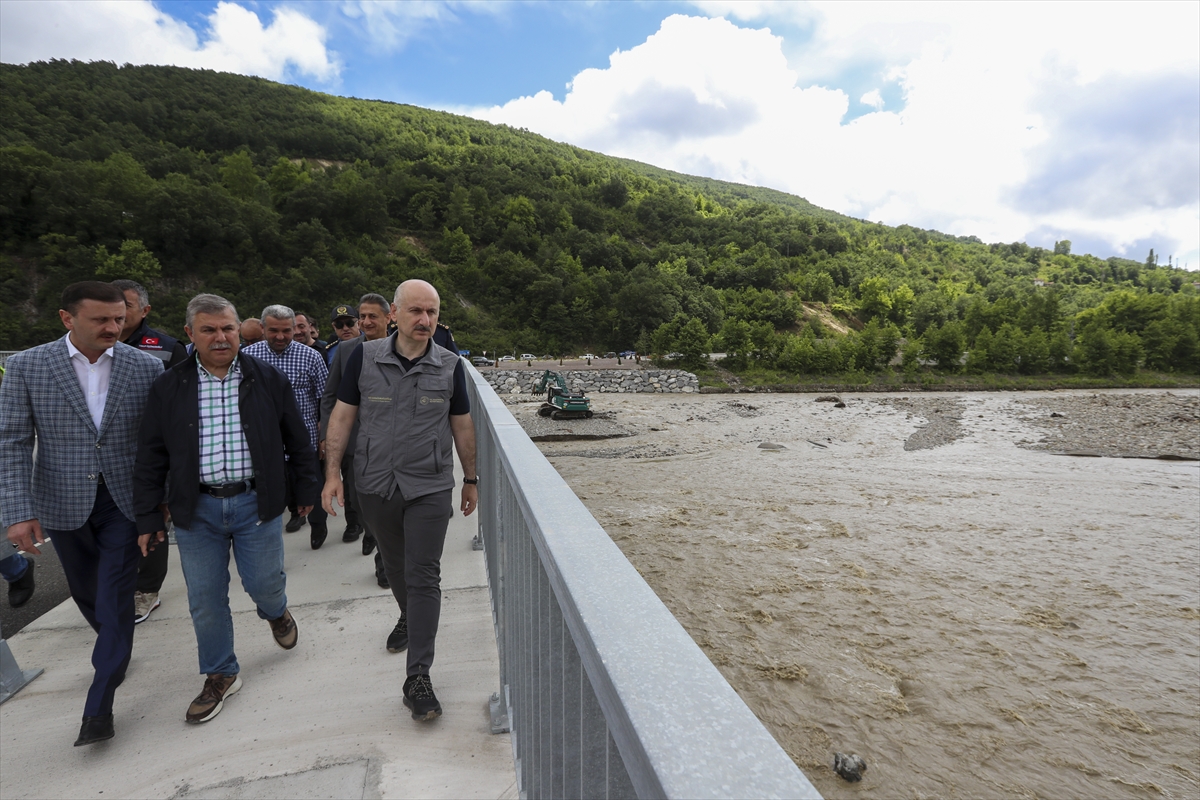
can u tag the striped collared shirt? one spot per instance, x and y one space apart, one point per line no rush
224 453
306 370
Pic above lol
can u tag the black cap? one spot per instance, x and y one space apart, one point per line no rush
343 311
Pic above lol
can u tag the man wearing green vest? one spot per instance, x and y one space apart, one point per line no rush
409 396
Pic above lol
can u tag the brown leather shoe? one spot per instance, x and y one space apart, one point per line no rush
284 629
208 703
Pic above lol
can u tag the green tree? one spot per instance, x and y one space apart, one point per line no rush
946 344
132 262
693 342
239 176
875 299
979 357
734 339
902 300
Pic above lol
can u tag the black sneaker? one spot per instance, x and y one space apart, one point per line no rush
317 537
398 639
295 523
352 533
420 699
380 573
368 544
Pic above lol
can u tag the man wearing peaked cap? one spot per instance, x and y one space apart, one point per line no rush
344 319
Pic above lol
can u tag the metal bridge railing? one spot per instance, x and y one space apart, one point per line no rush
605 693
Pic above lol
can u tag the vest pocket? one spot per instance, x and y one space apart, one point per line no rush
423 458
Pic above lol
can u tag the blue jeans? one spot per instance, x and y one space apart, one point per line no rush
12 567
204 556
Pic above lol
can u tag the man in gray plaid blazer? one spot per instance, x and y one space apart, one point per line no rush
81 397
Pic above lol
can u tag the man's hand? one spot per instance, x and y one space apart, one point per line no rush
27 536
303 510
148 541
321 450
470 499
333 490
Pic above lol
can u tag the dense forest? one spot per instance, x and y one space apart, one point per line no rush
194 180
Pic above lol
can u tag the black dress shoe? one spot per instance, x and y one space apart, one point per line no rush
317 537
368 544
352 533
20 590
295 523
95 729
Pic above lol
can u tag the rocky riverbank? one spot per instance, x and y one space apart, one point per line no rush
1126 425
598 381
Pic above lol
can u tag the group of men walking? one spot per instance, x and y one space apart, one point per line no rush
115 431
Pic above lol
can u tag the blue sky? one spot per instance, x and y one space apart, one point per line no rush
1031 122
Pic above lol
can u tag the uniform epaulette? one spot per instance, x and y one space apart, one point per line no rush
443 325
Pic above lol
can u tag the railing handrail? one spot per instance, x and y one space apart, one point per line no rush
681 729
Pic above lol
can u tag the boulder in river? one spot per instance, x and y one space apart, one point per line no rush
850 767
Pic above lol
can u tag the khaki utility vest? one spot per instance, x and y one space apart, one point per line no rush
404 438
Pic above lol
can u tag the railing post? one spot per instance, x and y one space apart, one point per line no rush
12 678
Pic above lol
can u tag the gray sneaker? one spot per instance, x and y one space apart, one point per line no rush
143 604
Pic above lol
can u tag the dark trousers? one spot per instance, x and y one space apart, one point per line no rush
410 535
348 490
317 517
152 569
100 563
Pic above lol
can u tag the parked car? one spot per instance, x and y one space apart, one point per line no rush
507 358
588 356
628 354
610 355
528 357
481 361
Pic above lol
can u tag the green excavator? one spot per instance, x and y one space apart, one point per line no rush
561 402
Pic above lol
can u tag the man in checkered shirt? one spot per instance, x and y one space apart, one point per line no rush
212 442
306 369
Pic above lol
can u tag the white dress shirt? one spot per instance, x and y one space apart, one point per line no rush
93 378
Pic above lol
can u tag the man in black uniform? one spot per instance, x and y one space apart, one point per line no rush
345 326
152 568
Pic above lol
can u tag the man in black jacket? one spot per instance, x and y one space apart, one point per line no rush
218 426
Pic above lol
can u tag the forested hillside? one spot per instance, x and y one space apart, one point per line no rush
194 180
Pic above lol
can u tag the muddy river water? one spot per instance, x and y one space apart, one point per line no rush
925 581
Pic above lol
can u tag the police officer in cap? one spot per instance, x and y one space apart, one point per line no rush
152 568
345 327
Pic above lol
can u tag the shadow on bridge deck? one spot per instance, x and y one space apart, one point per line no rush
322 720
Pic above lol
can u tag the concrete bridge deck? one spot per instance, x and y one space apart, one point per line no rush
322 720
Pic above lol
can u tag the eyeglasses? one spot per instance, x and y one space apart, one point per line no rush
344 323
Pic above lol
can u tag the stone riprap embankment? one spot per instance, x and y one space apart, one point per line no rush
523 382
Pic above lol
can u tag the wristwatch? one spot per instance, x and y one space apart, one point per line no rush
472 481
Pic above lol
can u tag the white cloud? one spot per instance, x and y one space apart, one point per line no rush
1014 121
390 24
138 32
873 99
